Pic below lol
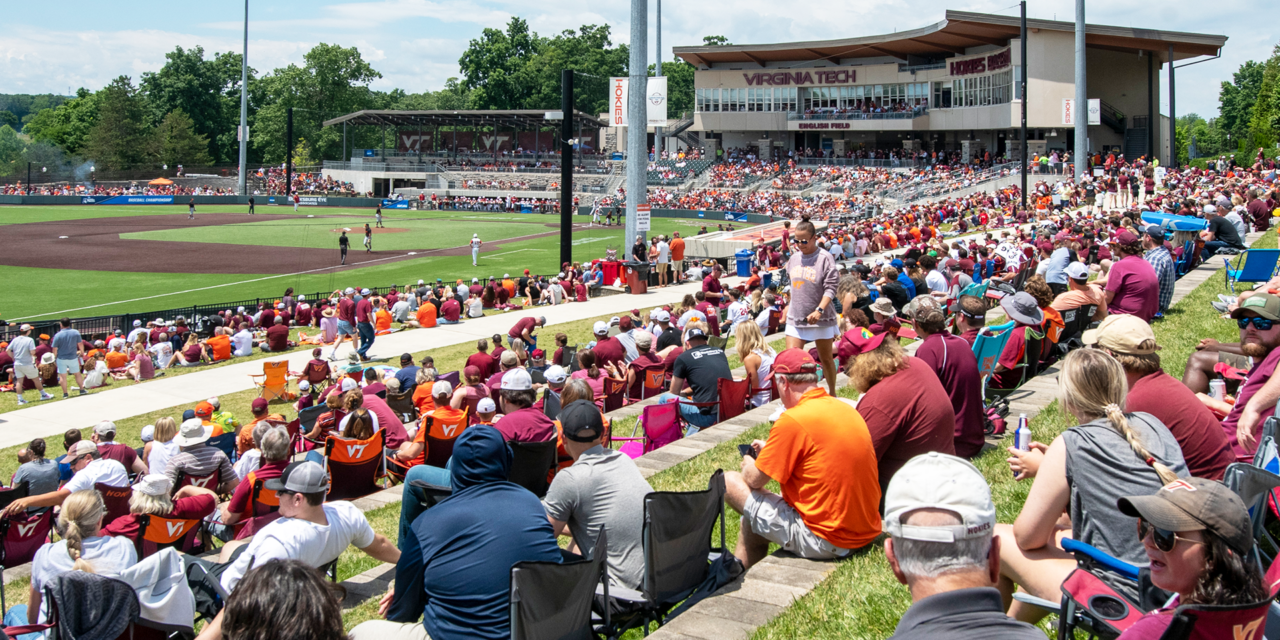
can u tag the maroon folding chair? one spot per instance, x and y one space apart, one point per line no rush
356 467
734 395
615 394
116 500
210 482
21 536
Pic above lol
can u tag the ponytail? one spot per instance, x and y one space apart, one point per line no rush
1121 424
80 518
353 400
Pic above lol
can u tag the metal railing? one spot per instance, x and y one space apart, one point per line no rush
854 114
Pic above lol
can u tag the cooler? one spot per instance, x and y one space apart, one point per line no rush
611 270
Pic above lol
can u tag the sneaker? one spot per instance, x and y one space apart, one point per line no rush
65 396
84 392
1226 299
1221 307
21 401
46 396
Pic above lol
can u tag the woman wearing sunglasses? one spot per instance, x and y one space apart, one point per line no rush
811 316
1197 535
1110 454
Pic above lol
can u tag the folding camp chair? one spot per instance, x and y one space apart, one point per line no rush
262 500
402 404
988 346
661 424
653 381
734 395
356 467
210 482
615 394
20 535
438 440
676 538
116 500
273 382
99 598
226 443
718 342
570 359
554 599
1186 261
772 389
453 378
315 373
775 321
532 464
1257 488
1097 596
1255 265
156 533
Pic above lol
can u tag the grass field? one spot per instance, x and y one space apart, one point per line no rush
76 292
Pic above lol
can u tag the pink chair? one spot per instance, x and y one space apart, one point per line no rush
661 424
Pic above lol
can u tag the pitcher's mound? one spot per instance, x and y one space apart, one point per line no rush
376 230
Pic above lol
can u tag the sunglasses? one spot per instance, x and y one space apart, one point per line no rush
1262 324
1164 540
799 241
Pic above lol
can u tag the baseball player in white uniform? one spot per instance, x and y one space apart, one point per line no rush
475 248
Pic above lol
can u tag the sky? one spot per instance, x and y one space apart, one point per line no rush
416 44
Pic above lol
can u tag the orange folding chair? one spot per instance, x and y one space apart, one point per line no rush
156 533
655 381
356 467
273 382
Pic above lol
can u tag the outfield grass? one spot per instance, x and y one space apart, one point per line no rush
323 233
86 293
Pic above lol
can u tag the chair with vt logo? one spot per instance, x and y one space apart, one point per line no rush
210 482
116 500
654 381
273 382
20 535
615 394
156 533
356 467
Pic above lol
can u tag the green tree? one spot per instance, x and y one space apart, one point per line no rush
590 51
12 151
679 86
495 68
1263 115
1236 98
66 126
206 90
175 141
333 81
452 96
117 140
10 119
715 41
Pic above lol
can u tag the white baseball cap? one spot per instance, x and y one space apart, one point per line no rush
153 484
364 292
136 323
939 481
303 385
148 433
349 385
442 388
1077 271
486 405
516 380
301 298
555 374
661 315
506 275
349 291
422 282
600 327
105 427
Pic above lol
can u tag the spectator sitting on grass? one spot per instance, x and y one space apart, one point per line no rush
277 337
820 451
192 353
162 352
104 435
971 317
1080 293
940 517
956 367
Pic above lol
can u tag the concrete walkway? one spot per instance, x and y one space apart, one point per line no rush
43 420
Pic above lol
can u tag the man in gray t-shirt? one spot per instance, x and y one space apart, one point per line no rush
67 349
41 473
23 348
602 488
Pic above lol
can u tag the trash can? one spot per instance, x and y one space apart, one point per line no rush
637 276
744 262
766 279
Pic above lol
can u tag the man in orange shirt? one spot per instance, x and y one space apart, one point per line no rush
820 451
426 316
116 359
677 254
509 284
260 411
219 345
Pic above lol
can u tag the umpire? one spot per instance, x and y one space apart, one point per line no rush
344 243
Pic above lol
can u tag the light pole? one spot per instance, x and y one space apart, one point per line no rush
637 120
657 137
1081 113
244 101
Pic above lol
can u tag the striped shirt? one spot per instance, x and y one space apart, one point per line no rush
201 460
1162 262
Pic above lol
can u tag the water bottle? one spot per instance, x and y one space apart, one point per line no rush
1022 436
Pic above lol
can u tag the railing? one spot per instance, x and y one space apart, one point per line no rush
952 183
915 112
884 163
435 167
907 68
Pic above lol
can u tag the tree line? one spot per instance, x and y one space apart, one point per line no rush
1248 116
188 111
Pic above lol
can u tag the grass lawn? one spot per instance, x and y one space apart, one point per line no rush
80 293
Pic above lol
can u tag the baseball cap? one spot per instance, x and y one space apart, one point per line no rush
364 292
105 427
259 404
136 323
516 380
486 405
442 388
1126 237
188 414
1077 271
349 291
1123 333
1208 208
303 385
694 333
153 484
26 327
794 361
81 448
661 316
205 410
1264 304
148 433
555 374
581 421
509 358
348 385
600 327
301 477
471 371
939 481
1195 504
856 342
1154 231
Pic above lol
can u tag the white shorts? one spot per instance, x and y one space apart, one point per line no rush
68 366
28 371
770 517
809 334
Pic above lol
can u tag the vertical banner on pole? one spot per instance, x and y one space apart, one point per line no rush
1095 111
656 101
642 217
1068 112
618 102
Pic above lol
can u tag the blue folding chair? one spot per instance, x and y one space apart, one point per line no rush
1256 265
988 346
1184 262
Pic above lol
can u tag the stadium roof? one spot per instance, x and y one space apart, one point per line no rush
519 119
956 32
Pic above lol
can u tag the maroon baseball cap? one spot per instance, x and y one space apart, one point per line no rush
858 341
259 404
794 361
1126 237
471 371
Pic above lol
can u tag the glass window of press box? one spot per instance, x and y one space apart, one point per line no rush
790 99
978 91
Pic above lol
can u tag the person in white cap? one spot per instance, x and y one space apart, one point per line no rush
22 349
1080 293
549 403
475 249
151 496
104 435
939 516
89 468
309 530
486 411
521 421
138 330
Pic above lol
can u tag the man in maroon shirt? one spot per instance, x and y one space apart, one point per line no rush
364 324
521 422
607 349
1258 212
711 284
952 359
346 320
277 337
524 327
482 360
104 435
972 318
1151 390
450 311
267 316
